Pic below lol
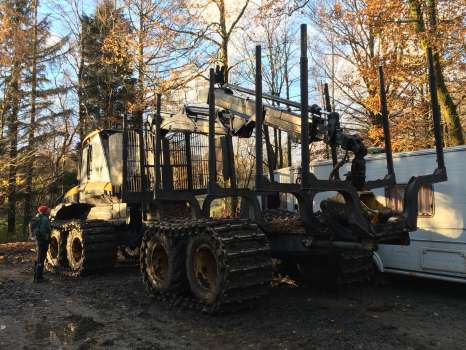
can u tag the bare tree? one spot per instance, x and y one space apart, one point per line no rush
277 38
210 24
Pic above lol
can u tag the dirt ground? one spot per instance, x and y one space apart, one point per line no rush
113 311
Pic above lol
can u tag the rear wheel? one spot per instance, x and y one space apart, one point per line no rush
204 263
228 265
162 263
337 268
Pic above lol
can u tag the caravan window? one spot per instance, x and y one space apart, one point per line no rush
395 196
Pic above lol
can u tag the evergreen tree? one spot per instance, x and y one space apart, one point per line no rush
106 68
14 18
28 104
42 95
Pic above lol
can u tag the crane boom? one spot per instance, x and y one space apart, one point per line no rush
245 107
324 126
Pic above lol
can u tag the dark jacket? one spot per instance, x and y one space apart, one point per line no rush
43 233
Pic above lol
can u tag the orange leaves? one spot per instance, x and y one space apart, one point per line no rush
408 134
115 47
384 9
13 36
375 135
337 10
369 33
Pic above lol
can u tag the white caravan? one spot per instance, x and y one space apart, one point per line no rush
438 247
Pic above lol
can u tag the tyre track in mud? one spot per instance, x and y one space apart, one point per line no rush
113 311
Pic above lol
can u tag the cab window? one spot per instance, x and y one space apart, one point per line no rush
86 164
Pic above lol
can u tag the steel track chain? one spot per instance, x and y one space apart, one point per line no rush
248 262
99 245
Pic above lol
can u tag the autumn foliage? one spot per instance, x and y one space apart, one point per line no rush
370 33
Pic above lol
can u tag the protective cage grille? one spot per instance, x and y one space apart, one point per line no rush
183 162
133 180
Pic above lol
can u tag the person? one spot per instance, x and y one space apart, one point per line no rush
42 241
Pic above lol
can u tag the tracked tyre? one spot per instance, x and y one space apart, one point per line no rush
56 253
90 246
235 252
282 221
354 266
228 266
162 261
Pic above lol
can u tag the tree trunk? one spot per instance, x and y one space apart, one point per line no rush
449 110
81 111
141 68
13 148
32 120
3 109
448 107
224 37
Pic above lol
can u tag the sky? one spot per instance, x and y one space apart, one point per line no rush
60 26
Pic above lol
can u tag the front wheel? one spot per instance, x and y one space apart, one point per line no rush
90 246
56 253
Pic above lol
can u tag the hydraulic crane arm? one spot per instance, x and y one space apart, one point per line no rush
192 119
236 116
324 126
244 108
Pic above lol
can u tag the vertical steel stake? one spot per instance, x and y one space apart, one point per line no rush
125 157
259 121
212 158
386 125
435 110
304 109
158 145
328 108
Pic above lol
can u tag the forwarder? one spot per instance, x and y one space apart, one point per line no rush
152 187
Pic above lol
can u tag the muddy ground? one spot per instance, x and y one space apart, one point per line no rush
113 311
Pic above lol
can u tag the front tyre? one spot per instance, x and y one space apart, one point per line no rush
90 246
56 253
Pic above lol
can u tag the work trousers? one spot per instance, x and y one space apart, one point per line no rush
41 248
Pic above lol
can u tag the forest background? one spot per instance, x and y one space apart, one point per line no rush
70 66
